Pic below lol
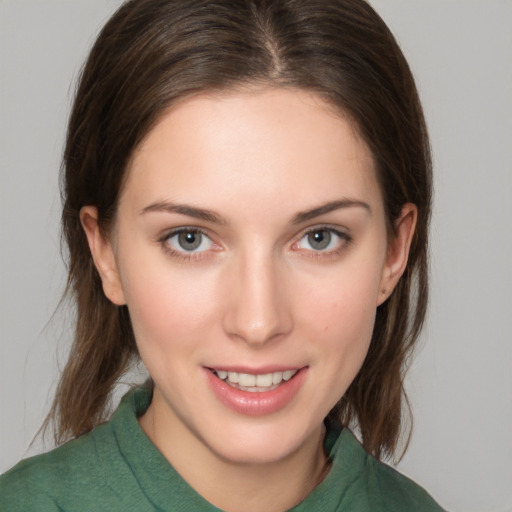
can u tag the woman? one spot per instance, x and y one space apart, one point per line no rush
246 201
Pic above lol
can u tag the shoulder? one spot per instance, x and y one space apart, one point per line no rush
44 482
379 487
393 491
88 473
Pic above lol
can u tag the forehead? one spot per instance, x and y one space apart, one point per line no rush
272 144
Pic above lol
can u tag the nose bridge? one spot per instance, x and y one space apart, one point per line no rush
258 308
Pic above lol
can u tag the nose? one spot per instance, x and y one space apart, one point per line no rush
258 308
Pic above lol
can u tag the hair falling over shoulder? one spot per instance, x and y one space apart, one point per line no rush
151 54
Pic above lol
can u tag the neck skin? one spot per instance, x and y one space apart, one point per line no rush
233 487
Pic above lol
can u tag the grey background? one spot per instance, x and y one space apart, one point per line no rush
461 381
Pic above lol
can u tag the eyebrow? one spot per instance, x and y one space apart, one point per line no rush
329 207
215 218
184 209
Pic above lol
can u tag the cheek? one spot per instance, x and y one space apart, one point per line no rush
169 308
345 302
339 317
346 334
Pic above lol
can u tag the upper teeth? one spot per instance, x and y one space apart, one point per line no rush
248 380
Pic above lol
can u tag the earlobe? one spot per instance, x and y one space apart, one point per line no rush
102 255
398 251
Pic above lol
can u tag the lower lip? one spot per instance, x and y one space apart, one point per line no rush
257 403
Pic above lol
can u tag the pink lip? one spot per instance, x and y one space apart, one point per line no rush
259 403
262 370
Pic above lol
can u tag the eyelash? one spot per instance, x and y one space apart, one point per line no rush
344 240
183 254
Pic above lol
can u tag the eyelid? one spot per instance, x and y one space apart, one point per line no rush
345 239
183 254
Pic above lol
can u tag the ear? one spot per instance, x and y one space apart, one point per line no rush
398 251
102 255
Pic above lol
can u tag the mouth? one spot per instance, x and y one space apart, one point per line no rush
255 383
247 392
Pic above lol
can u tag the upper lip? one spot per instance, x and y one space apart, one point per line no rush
261 370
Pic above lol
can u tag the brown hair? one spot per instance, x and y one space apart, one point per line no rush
154 52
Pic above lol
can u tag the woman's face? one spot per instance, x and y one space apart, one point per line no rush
250 248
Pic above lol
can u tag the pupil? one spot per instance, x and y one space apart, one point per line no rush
189 240
319 239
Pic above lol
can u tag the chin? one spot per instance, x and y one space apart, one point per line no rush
260 444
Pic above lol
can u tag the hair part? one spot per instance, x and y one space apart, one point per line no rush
151 54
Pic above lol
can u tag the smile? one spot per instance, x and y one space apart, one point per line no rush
256 394
255 383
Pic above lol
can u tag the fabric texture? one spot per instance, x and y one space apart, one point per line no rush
117 468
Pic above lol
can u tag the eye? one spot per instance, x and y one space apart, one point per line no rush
188 240
322 240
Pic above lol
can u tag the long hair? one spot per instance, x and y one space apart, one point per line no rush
153 53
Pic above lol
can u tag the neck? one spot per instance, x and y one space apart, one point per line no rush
250 487
272 487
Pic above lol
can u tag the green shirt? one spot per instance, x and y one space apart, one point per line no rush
117 468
